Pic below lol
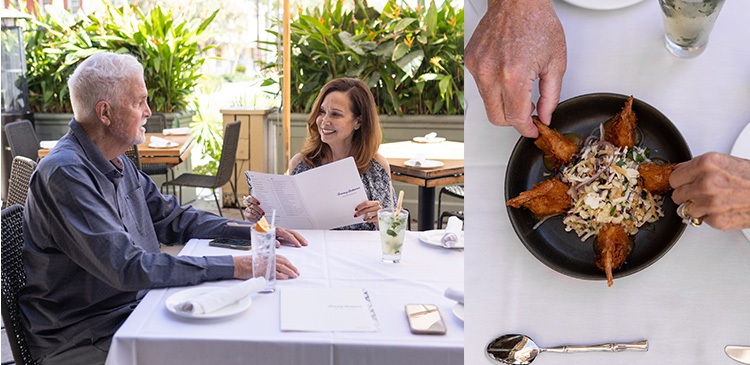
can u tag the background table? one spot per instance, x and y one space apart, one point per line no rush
345 259
452 172
690 303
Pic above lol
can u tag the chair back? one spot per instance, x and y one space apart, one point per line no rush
20 175
22 139
228 153
156 123
134 156
13 279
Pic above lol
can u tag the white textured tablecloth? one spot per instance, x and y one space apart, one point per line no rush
689 304
152 335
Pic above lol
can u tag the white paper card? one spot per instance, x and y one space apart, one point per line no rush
320 198
327 309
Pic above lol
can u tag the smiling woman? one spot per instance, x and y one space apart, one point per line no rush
343 123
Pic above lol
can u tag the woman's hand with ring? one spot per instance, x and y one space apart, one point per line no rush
253 211
368 211
713 188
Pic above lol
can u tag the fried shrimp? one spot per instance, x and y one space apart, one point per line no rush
548 197
621 132
554 145
611 248
654 177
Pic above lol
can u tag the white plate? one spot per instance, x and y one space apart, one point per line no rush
428 140
741 149
458 310
427 164
434 236
232 309
603 4
168 145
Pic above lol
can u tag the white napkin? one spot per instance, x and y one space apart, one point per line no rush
47 144
418 160
160 142
220 298
430 136
456 294
452 232
176 131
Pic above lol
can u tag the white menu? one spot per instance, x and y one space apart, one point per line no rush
320 198
327 309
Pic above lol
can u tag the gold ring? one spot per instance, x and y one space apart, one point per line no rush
682 211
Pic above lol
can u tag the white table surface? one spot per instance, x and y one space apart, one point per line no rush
335 259
689 304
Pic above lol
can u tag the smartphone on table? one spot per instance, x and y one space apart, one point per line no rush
235 243
425 319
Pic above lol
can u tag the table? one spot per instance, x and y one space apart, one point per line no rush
690 303
347 259
452 172
172 156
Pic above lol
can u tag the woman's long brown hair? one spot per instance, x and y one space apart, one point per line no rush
365 140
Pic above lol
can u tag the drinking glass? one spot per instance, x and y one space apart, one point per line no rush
392 232
264 257
687 25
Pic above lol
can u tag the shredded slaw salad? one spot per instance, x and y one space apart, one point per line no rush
604 187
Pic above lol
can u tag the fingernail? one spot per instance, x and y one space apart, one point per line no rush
355 216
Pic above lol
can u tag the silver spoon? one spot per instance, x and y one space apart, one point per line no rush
521 350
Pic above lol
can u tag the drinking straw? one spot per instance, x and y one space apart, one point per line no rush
390 193
273 219
400 200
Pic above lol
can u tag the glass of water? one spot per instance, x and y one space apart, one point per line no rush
392 232
687 25
264 256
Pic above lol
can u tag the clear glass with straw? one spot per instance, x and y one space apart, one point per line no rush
392 226
264 254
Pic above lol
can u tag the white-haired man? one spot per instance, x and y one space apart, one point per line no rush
93 223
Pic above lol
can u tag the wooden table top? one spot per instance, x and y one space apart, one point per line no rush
170 155
448 152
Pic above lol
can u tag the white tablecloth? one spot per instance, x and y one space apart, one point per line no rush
689 304
336 259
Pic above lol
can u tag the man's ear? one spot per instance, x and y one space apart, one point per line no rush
104 112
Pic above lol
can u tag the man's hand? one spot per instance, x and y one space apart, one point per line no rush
515 43
243 268
290 237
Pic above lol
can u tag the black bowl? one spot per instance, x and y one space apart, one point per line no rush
563 251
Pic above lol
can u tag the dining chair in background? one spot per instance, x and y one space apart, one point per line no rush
456 191
20 175
22 139
13 279
133 155
223 173
156 124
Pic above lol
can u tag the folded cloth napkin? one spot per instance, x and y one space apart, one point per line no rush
418 160
456 294
220 298
452 232
176 131
160 142
430 136
48 144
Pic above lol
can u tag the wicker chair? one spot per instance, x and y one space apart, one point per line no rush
224 173
456 191
133 155
20 175
22 139
156 124
13 279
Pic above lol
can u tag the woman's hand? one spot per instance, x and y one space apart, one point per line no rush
716 187
253 211
368 211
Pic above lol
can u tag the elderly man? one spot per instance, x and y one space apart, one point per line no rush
93 223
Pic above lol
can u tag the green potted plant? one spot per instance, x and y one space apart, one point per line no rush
170 51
